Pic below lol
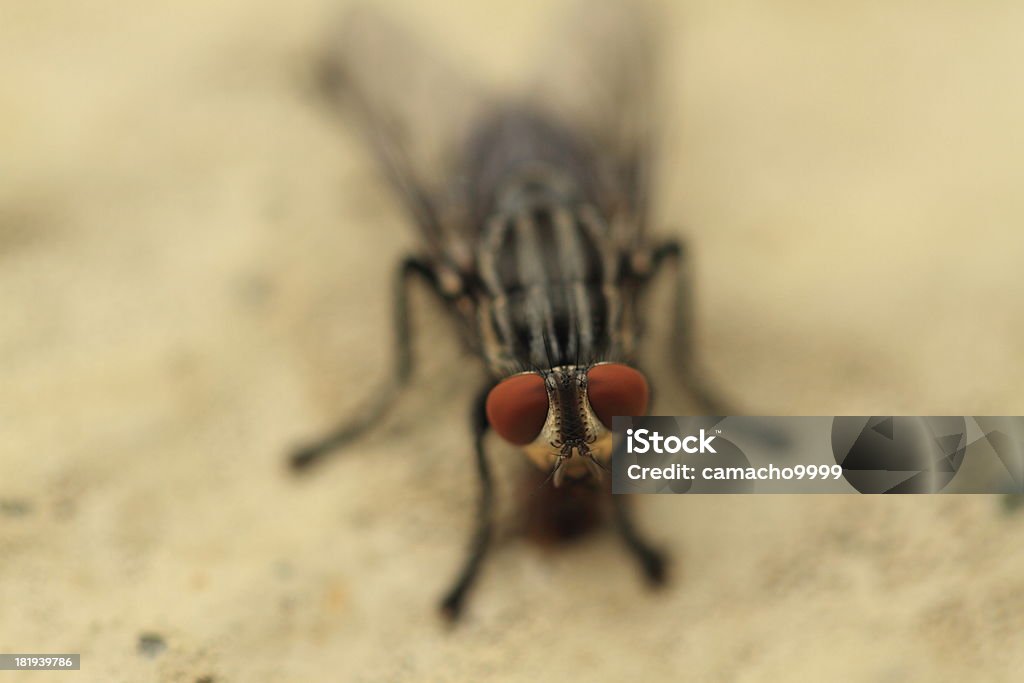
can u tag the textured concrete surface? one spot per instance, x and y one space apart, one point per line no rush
193 269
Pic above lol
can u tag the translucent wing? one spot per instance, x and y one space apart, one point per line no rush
598 77
419 114
415 112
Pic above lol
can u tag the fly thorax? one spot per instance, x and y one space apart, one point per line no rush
535 185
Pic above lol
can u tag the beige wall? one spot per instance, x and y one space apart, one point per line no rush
193 269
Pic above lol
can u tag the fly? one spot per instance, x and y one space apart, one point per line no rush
532 214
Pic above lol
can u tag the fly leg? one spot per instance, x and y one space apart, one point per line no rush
354 427
451 605
652 562
674 254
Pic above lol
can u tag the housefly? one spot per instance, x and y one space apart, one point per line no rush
532 216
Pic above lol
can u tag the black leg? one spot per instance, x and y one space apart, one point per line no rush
451 605
683 355
652 562
355 426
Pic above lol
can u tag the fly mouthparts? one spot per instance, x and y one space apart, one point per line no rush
558 476
594 468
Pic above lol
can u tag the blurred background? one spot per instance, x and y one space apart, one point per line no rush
194 268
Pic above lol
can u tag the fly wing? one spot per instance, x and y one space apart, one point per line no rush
414 110
598 78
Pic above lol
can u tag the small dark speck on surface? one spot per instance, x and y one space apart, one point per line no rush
1013 502
15 508
256 290
205 679
64 509
151 644
24 226
283 570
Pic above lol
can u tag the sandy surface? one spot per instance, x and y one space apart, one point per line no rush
193 260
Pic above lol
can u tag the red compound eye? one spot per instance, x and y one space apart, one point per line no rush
616 389
518 407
